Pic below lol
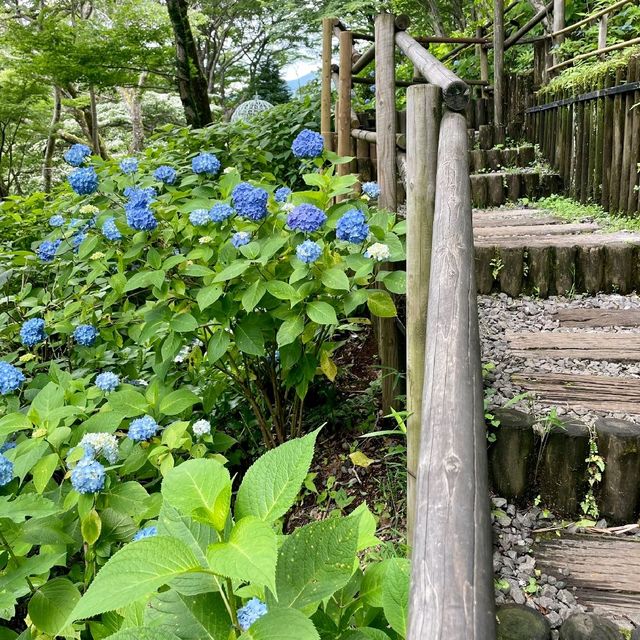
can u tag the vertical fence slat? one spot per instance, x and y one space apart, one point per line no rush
325 101
452 583
344 99
387 334
423 126
616 154
498 70
607 146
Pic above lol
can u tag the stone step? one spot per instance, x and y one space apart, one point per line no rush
497 188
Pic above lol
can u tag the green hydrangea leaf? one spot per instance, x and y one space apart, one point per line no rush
281 624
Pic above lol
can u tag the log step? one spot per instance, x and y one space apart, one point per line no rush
599 393
495 159
528 231
512 217
583 345
494 189
598 317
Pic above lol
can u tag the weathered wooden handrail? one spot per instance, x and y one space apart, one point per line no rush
372 137
410 83
363 60
590 54
537 19
591 18
455 92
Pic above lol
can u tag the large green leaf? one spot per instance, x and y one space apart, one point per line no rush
177 401
144 633
218 345
395 594
335 279
271 485
127 497
289 330
322 312
137 570
381 304
27 505
249 555
13 422
282 624
248 335
128 403
233 270
316 561
208 295
201 489
145 279
253 295
51 604
200 617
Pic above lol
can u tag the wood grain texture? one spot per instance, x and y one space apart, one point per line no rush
535 230
344 100
598 317
452 586
423 126
325 100
498 67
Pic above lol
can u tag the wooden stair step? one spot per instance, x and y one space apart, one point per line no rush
598 317
599 393
583 345
603 569
573 240
534 230
497 187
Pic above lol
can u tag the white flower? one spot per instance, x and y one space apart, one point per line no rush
89 208
378 252
288 206
205 239
201 427
229 169
183 354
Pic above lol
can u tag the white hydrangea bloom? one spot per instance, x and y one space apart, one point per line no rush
201 427
288 206
378 252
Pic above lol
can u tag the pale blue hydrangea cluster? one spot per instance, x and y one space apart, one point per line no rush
206 163
371 189
201 427
83 181
32 332
56 221
85 335
107 381
307 144
143 428
252 611
352 227
129 165
109 229
88 476
100 444
282 194
6 471
11 378
308 251
77 239
6 446
138 208
165 174
47 250
220 212
199 217
250 202
146 532
76 154
240 238
307 218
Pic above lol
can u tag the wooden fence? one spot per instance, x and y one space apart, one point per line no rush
449 522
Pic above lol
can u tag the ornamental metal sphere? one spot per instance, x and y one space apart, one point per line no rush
250 108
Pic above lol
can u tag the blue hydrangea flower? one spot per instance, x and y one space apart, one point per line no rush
56 221
220 212
5 446
83 181
371 189
250 202
146 532
11 378
206 163
252 611
47 250
308 251
138 213
129 165
77 239
76 154
352 227
240 238
85 335
282 194
6 471
100 444
109 229
165 174
143 428
32 332
107 381
308 144
307 218
199 217
88 476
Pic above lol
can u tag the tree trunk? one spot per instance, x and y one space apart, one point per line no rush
192 84
51 141
132 98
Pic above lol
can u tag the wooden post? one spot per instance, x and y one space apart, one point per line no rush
344 100
603 27
558 24
387 333
325 100
498 70
423 126
451 595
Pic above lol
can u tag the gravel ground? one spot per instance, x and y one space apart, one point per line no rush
499 313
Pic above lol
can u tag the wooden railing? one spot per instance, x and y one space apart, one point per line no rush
448 508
